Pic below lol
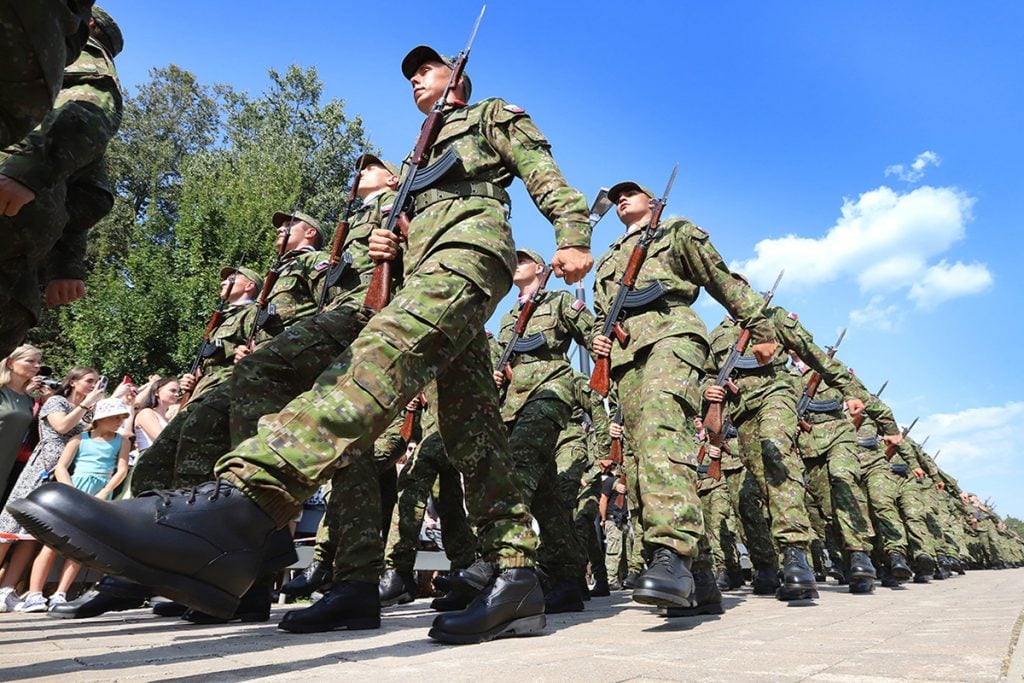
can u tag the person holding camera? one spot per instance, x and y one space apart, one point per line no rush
64 415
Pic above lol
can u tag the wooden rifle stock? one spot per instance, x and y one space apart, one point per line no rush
519 329
409 422
379 294
810 390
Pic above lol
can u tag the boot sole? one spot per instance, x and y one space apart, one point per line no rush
72 614
93 553
402 599
525 626
789 594
699 610
862 575
344 625
901 575
562 609
646 596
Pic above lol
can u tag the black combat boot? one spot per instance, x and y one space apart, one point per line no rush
351 605
899 568
667 582
315 577
797 576
924 567
512 605
564 596
254 606
862 585
706 597
202 546
765 581
601 589
860 567
451 601
473 578
397 588
629 583
722 580
581 583
886 578
169 608
110 595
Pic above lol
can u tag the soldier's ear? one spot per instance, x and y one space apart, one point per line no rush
392 181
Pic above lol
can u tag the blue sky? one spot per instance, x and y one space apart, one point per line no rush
871 149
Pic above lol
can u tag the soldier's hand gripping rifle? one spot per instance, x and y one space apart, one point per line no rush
338 261
858 419
807 398
409 421
206 347
713 418
599 381
516 344
890 447
419 175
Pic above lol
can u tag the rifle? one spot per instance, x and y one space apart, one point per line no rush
935 457
716 439
890 449
924 442
379 293
812 387
615 455
264 308
858 419
410 419
206 347
519 329
599 381
713 418
338 262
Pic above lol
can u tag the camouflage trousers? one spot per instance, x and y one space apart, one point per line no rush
432 327
719 523
883 488
532 439
416 482
616 549
914 511
819 505
834 442
571 463
228 410
659 395
586 521
637 559
766 421
747 497
19 313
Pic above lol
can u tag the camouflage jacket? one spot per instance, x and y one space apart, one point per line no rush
355 280
545 372
586 404
683 260
232 332
495 142
296 293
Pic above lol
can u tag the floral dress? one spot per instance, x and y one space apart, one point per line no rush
44 458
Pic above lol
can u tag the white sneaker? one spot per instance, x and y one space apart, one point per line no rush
33 602
8 599
58 598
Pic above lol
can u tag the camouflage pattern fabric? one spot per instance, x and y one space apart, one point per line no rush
882 487
587 520
719 523
37 40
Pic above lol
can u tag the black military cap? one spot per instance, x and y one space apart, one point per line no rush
424 53
111 31
619 188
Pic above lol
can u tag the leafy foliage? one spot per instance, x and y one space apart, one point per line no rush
198 171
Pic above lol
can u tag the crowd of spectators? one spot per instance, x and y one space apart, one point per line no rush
69 431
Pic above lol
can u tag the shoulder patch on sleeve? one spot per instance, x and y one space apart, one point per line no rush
386 208
793 316
514 109
578 305
321 266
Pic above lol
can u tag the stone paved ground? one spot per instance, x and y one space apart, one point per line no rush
962 629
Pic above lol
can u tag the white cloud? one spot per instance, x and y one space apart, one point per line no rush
979 446
877 316
944 281
883 239
915 171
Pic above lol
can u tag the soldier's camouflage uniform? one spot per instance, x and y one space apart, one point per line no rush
536 409
159 466
187 449
719 521
37 40
429 465
62 162
658 374
458 265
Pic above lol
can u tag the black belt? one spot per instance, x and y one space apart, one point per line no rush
462 188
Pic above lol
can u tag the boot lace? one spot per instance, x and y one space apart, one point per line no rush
219 486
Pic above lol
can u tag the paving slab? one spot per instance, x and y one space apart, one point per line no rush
963 629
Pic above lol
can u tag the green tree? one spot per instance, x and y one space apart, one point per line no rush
198 171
